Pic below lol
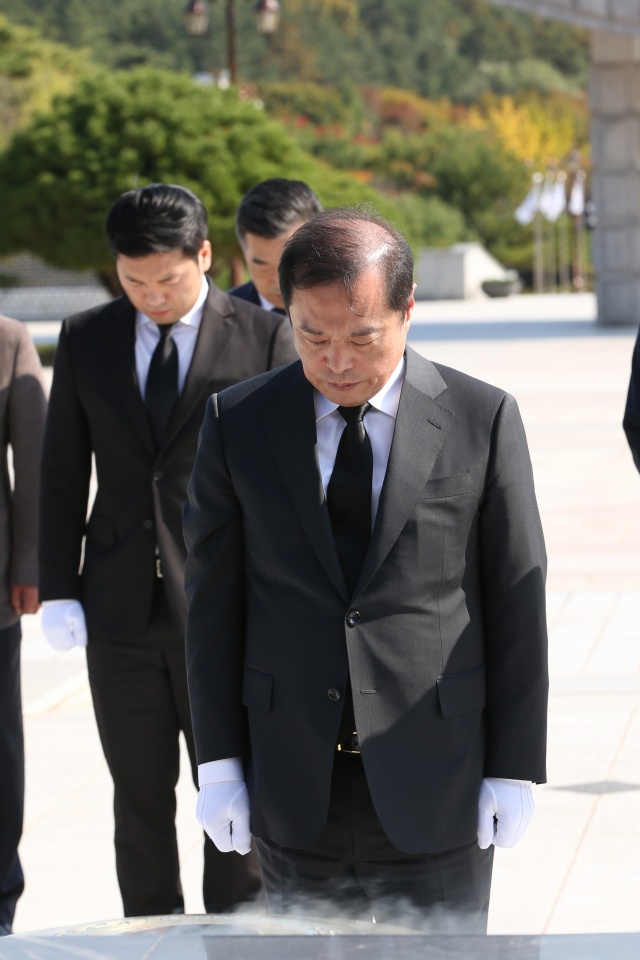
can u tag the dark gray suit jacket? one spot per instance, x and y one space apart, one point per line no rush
448 658
96 407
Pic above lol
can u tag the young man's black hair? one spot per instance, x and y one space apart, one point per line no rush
270 208
157 219
267 216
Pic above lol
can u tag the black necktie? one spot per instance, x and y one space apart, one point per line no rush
349 503
349 494
161 392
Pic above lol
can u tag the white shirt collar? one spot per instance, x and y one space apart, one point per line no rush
264 303
386 400
191 319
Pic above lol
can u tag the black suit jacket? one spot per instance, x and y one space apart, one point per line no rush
448 650
631 422
96 408
246 291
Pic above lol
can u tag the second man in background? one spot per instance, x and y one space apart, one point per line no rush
268 215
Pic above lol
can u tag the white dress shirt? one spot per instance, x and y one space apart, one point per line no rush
379 422
184 335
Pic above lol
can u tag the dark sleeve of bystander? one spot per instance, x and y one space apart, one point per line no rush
631 421
27 407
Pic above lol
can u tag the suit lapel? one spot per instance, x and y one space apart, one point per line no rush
290 426
216 327
119 329
421 430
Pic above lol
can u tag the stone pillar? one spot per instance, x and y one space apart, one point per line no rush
614 97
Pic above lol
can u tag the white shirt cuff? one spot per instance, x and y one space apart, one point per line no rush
54 603
506 780
218 770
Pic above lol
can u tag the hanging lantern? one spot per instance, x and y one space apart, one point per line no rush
196 18
267 16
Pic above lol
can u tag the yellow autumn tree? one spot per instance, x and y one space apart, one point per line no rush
537 129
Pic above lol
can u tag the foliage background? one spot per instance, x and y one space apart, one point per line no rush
436 111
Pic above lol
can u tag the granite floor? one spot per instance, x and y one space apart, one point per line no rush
577 869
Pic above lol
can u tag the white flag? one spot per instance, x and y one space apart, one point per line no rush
553 200
529 206
576 200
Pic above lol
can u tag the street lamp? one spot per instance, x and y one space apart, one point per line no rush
196 18
196 21
267 16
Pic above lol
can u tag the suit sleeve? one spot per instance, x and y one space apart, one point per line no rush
282 347
215 591
64 484
27 409
631 421
514 568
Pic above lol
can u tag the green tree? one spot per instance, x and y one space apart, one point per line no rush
32 72
59 176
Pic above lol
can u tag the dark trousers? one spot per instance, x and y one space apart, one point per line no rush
353 871
11 774
141 702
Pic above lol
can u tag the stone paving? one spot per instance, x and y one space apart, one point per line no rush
577 869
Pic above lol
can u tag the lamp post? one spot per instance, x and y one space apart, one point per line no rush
196 20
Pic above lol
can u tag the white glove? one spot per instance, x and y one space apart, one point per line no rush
510 802
63 624
223 812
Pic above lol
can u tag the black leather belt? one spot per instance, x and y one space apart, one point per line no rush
350 745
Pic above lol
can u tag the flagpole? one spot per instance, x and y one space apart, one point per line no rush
552 273
538 253
563 241
538 239
577 215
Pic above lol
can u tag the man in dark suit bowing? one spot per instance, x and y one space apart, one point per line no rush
366 640
130 386
267 216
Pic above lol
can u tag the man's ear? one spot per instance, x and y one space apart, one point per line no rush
204 256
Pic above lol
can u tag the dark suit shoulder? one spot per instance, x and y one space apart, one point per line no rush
250 314
245 291
468 393
257 387
88 320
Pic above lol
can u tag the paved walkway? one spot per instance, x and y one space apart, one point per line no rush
577 870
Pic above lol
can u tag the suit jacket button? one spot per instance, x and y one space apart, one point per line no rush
158 475
147 524
334 694
353 618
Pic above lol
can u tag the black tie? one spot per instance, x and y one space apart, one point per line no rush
161 392
349 503
349 494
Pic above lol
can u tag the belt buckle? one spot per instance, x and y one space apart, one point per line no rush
350 746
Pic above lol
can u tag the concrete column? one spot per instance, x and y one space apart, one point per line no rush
614 97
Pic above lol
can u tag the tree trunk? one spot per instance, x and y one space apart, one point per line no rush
236 267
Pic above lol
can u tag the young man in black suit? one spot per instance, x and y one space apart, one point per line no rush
366 641
268 215
130 385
